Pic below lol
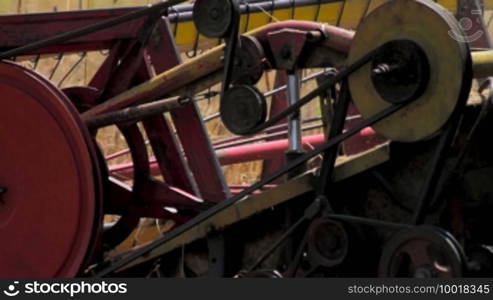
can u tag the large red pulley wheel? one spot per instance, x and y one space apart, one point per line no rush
48 203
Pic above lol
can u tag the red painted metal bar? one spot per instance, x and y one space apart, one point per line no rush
165 144
336 38
103 74
277 148
155 192
260 151
192 133
22 29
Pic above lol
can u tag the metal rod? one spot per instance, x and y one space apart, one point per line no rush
66 36
135 113
72 69
320 89
273 92
367 221
294 124
183 13
482 63
238 140
303 80
264 137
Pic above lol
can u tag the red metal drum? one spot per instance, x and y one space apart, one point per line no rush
47 209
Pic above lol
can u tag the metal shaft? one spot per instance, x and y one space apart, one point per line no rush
294 130
135 113
482 63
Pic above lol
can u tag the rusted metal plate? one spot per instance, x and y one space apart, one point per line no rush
48 209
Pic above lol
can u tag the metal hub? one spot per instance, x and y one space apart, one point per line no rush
422 252
400 73
328 242
388 79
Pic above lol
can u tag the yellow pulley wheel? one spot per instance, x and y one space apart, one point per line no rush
421 62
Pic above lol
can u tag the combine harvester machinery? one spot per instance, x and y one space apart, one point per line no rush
397 185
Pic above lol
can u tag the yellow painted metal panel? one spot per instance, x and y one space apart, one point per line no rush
28 6
353 13
451 4
375 3
347 13
283 14
256 20
186 33
307 13
8 6
115 3
330 12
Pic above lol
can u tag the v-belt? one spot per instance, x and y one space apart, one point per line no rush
334 142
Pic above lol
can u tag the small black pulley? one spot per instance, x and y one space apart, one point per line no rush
248 65
243 108
215 18
328 242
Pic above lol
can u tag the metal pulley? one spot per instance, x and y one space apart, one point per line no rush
423 252
215 18
243 108
51 202
248 65
328 242
420 62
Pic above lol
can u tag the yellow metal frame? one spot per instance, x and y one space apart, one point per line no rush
344 13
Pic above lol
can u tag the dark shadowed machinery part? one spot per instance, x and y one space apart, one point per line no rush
400 72
328 242
422 252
